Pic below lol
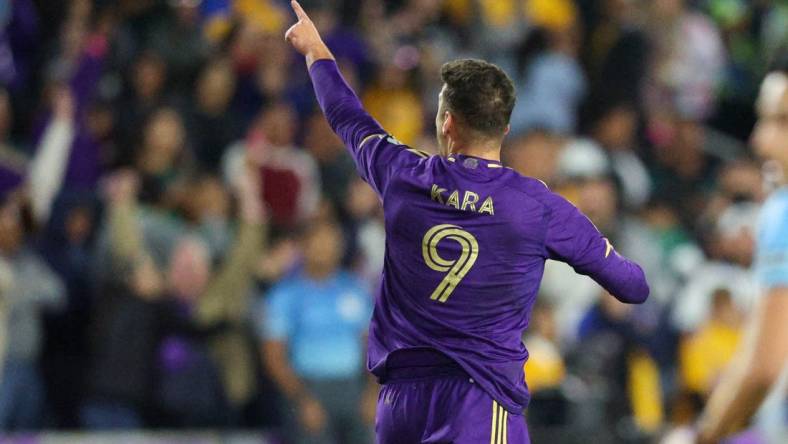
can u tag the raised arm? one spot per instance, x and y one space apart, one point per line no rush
123 222
339 103
305 39
572 238
227 296
375 152
48 166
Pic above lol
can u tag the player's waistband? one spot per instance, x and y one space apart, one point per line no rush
420 363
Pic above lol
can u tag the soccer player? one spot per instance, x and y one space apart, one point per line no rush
763 353
466 244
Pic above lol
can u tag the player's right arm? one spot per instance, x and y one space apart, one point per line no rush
373 150
572 238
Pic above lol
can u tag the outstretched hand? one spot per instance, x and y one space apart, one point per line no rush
305 38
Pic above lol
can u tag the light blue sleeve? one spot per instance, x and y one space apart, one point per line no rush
771 261
278 316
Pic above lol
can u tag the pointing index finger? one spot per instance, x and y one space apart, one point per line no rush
299 11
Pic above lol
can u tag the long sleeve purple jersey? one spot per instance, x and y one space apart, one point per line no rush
466 244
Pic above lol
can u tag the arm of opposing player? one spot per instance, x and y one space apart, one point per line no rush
759 362
763 354
572 238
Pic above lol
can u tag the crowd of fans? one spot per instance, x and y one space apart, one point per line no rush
184 242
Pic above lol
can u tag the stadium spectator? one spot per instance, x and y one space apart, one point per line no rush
365 221
706 352
66 244
550 90
313 326
162 158
613 362
185 356
33 289
144 94
688 61
535 154
289 175
393 101
731 252
546 370
212 125
177 35
334 164
615 129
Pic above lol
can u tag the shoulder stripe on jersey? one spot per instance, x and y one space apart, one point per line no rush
608 248
494 165
420 153
368 138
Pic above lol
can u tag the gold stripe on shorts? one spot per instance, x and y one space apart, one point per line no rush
505 426
499 431
494 426
501 425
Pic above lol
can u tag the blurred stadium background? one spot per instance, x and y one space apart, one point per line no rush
142 289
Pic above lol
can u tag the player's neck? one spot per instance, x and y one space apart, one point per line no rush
486 151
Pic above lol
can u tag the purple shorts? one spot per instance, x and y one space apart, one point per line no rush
440 403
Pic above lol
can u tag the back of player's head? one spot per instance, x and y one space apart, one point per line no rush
479 94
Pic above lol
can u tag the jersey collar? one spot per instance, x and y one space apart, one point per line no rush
473 163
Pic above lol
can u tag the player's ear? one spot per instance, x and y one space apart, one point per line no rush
448 123
507 129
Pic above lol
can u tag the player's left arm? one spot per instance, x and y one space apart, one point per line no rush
374 152
572 238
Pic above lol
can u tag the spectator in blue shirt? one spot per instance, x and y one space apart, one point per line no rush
313 328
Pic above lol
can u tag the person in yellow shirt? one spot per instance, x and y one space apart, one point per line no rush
545 366
704 354
395 104
551 14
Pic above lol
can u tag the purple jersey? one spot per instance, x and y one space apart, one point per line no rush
466 244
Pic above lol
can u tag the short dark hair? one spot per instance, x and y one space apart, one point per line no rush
480 94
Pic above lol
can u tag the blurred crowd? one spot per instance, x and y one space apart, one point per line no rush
184 242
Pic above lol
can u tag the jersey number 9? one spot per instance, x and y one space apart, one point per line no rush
455 269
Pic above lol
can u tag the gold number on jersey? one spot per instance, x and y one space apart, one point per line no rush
455 270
